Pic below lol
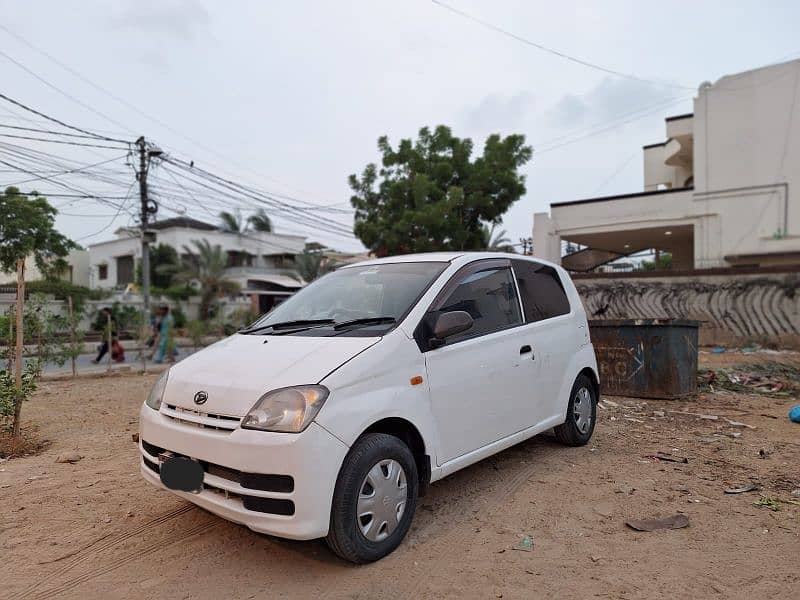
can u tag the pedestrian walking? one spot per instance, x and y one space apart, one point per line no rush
165 345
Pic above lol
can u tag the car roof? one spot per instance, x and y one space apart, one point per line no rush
407 258
461 257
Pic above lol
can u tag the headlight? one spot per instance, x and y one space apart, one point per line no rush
154 398
287 410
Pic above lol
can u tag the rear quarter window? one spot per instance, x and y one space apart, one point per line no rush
543 295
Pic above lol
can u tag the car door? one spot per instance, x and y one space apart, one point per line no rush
470 377
554 333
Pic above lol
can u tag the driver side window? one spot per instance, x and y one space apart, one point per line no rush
489 297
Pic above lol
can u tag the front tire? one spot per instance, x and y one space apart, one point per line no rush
374 499
581 414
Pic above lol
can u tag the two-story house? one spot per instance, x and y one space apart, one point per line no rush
722 190
261 263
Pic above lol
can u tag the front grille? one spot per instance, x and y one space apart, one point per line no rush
264 482
268 483
197 418
273 506
152 466
151 449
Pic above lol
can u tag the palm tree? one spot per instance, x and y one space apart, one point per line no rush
207 267
498 242
311 264
232 222
260 221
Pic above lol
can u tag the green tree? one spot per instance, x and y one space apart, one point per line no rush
206 266
164 264
496 242
232 222
260 221
197 330
432 195
311 264
27 228
235 223
664 263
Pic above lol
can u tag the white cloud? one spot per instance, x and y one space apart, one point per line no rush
167 19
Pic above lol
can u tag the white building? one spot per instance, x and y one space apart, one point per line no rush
262 263
723 189
77 271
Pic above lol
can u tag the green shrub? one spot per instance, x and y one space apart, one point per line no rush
178 317
9 392
61 290
196 330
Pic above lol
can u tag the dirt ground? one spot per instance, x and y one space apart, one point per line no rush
95 529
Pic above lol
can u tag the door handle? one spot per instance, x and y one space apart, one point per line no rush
525 349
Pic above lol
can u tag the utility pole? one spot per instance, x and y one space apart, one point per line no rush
144 215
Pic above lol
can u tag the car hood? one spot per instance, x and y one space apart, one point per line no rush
237 371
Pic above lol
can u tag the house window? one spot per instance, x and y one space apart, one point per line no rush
125 270
102 272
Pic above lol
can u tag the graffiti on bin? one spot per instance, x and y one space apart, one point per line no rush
620 364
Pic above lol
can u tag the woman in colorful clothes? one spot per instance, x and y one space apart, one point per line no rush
165 343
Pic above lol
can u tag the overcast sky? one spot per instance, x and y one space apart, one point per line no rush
292 96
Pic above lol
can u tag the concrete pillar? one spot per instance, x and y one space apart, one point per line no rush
546 242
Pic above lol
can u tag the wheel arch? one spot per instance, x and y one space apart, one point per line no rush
410 435
592 375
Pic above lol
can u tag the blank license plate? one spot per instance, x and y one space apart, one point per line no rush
182 474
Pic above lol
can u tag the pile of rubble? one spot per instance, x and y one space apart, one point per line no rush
769 378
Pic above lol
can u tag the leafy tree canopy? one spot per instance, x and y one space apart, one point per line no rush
433 196
27 227
164 264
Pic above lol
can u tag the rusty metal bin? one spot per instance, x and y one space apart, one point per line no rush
646 358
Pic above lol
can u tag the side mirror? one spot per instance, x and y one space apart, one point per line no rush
449 324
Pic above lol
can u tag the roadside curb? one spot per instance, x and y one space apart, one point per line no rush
96 374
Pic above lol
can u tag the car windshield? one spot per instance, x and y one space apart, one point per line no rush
379 294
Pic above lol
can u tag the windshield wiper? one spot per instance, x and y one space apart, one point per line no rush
288 325
364 321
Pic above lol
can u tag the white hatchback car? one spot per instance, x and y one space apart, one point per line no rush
330 415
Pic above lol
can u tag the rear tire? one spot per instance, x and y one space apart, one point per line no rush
374 499
581 414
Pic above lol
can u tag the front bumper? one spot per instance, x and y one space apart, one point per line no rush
312 458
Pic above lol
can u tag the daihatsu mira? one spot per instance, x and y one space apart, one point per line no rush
329 416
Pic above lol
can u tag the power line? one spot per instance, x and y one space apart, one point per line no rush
62 92
67 172
616 172
270 200
557 52
82 196
65 142
48 131
606 129
64 185
114 218
54 120
47 160
329 225
617 117
124 102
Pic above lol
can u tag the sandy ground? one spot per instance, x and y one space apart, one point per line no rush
94 529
